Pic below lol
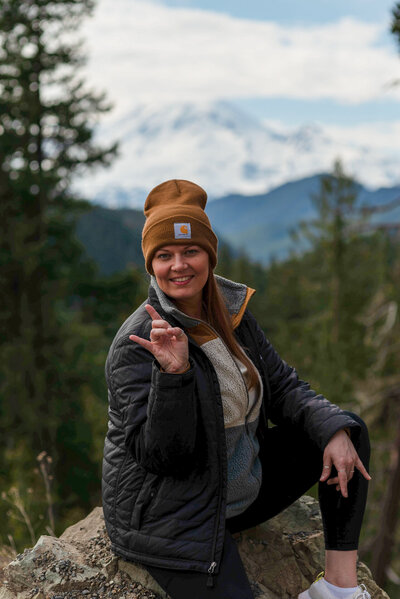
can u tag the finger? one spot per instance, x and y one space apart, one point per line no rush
153 312
159 324
360 466
156 334
143 342
176 331
332 481
171 332
326 469
342 475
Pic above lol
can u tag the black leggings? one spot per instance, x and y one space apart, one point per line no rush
291 464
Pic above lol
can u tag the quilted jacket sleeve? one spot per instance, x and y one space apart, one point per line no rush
158 409
293 402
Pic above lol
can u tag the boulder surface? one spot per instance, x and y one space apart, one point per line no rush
281 557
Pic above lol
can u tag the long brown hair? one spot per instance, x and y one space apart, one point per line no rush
219 318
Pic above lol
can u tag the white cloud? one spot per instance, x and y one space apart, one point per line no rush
378 135
226 151
370 151
141 50
382 136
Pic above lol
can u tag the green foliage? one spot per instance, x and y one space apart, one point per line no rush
333 313
311 304
395 25
46 138
112 238
333 290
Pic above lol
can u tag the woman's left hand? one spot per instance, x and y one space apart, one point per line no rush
340 452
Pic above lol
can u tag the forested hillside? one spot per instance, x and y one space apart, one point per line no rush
260 225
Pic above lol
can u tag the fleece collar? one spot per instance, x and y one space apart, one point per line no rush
236 296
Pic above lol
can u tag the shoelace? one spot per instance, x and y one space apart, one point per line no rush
364 593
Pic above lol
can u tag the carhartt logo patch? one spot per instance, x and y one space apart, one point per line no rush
182 231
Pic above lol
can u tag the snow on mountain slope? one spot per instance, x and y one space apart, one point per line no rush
226 151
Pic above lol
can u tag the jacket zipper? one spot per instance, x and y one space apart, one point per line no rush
210 579
213 564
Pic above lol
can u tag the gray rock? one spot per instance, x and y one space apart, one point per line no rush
140 575
50 565
281 557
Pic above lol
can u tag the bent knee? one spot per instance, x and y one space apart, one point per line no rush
359 421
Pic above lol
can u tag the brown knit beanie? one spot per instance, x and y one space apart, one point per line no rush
175 214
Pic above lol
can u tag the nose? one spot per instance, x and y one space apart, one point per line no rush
179 262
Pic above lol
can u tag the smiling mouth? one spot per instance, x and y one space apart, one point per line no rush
181 279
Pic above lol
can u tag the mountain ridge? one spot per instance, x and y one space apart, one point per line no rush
260 224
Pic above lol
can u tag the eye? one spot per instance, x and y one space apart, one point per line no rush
191 251
163 256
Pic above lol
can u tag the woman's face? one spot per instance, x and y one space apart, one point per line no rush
181 272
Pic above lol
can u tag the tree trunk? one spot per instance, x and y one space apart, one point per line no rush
384 541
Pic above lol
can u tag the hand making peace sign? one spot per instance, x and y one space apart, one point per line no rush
169 345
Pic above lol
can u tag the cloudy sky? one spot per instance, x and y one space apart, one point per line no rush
290 62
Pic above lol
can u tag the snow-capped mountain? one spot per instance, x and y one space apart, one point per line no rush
226 151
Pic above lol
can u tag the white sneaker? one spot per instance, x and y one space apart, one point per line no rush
319 590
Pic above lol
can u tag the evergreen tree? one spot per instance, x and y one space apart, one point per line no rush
395 25
47 118
329 286
384 386
335 205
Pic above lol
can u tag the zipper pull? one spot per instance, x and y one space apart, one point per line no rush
210 579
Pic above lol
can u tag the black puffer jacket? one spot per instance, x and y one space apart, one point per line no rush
164 470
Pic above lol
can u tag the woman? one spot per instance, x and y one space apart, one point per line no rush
188 456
